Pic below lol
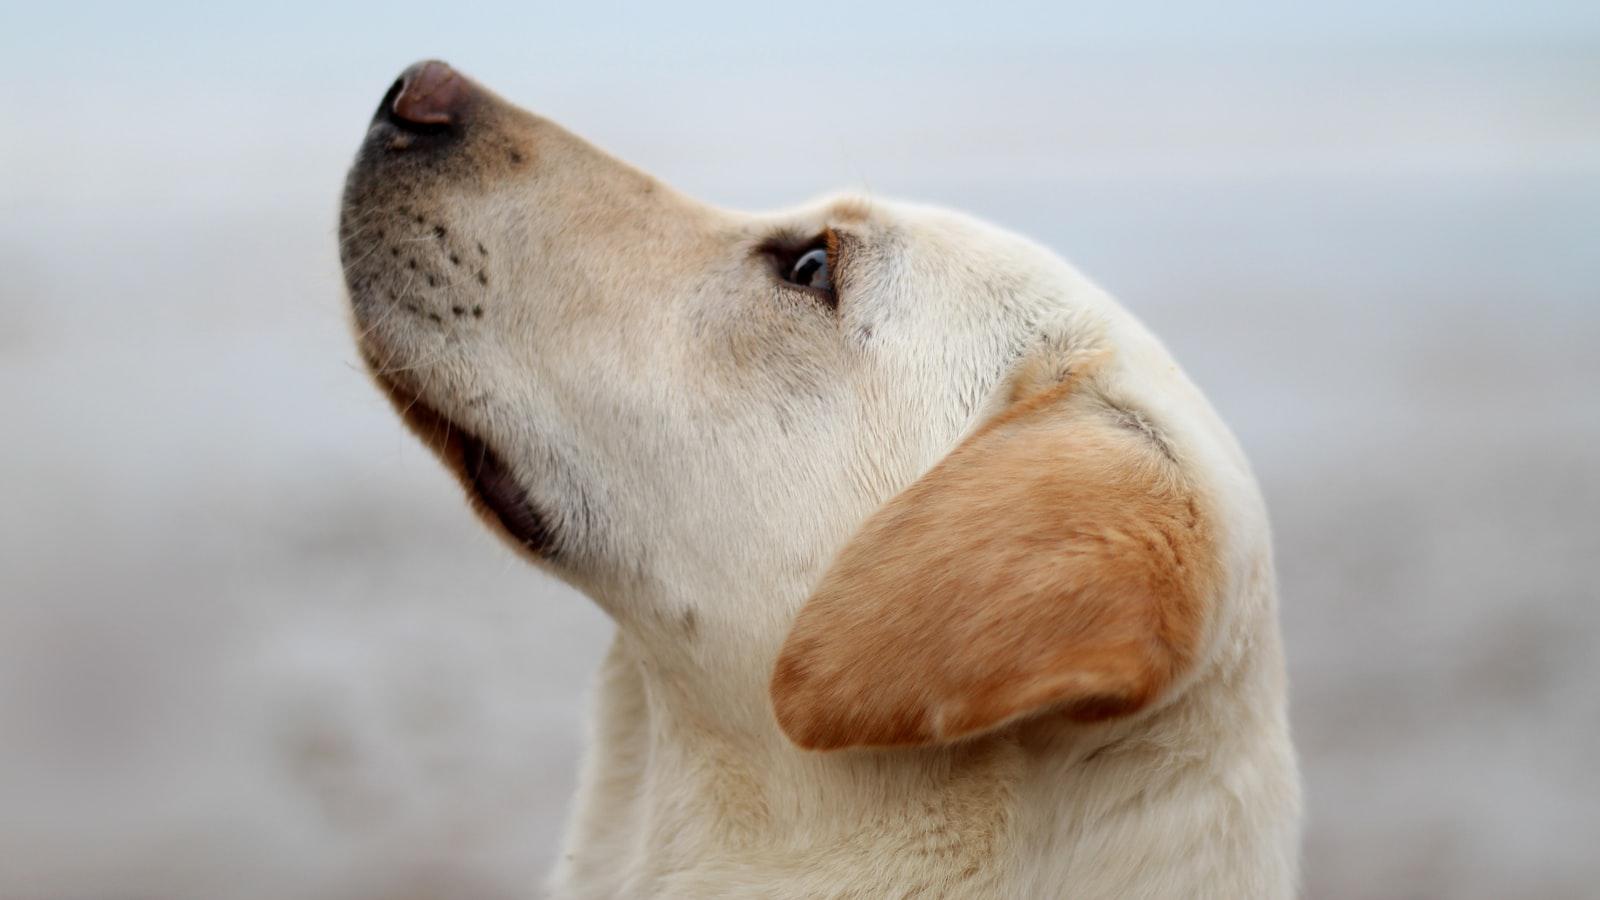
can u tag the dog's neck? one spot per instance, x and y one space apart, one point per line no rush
683 796
705 645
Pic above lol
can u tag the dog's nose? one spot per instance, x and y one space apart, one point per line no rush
429 96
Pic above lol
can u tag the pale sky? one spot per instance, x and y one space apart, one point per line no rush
304 38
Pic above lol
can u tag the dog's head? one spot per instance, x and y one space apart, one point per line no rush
908 475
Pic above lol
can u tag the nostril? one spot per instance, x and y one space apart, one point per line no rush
386 105
428 97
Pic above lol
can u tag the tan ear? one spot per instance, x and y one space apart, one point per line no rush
1055 561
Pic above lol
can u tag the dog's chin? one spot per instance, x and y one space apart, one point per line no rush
492 488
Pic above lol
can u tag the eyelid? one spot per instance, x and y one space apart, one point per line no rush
786 247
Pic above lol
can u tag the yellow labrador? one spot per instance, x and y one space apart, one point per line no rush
933 574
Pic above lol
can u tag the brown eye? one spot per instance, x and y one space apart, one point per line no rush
811 270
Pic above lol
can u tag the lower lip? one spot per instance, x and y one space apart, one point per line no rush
499 491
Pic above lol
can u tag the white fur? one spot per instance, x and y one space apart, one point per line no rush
703 439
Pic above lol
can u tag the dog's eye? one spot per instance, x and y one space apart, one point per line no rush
811 270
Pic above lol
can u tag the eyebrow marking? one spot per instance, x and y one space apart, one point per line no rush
851 209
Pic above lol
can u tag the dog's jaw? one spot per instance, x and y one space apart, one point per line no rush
492 486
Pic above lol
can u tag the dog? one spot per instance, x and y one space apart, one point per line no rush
932 573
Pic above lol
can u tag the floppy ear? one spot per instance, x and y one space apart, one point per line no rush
1055 561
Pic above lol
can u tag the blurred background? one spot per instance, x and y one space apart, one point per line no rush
253 646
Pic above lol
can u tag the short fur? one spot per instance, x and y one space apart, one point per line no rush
950 586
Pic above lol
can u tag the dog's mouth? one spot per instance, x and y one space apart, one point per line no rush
493 490
496 487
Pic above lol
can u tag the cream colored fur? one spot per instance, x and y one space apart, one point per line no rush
704 440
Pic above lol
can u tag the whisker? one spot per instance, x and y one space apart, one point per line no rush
360 228
375 248
440 354
416 398
393 305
